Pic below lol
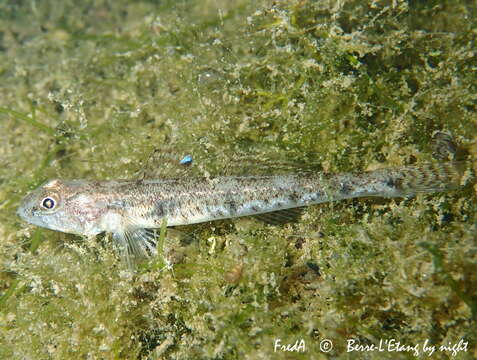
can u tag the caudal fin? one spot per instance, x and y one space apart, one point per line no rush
449 172
430 177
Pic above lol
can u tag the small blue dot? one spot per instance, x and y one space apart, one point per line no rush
187 160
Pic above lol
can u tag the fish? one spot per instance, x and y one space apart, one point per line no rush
128 209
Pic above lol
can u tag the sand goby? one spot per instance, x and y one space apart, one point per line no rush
128 208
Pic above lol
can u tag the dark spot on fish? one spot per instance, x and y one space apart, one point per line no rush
158 209
232 207
139 182
394 183
312 198
171 207
219 213
345 188
320 194
293 197
255 208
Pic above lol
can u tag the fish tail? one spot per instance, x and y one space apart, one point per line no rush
449 172
424 178
434 177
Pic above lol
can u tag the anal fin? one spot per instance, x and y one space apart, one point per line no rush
281 216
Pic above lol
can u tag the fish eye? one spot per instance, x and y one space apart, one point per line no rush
48 203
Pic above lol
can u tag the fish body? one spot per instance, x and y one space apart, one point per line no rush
127 208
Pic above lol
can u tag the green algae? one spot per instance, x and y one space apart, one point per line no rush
90 90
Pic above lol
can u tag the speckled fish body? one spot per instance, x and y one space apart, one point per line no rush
127 208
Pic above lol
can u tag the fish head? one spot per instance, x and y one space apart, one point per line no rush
62 206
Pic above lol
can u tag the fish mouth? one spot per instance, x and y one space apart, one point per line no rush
28 217
24 211
22 208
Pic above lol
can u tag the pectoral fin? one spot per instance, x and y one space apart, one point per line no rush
136 244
